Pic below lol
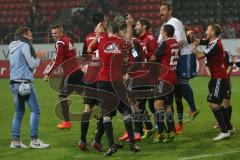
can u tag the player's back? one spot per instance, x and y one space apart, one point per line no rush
112 66
169 59
171 54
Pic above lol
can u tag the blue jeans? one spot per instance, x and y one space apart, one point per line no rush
19 104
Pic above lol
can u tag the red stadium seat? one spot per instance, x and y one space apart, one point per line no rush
2 20
130 8
22 20
131 1
143 1
157 22
10 20
143 15
143 8
136 15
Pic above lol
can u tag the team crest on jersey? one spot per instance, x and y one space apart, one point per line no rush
111 47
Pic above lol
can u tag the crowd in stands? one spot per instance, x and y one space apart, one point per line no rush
194 14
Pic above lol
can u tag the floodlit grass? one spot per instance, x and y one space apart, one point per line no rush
195 141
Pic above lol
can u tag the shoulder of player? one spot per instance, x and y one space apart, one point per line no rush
175 22
90 36
151 37
93 34
121 39
217 44
172 42
64 40
59 42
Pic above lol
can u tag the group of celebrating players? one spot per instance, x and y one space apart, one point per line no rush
126 67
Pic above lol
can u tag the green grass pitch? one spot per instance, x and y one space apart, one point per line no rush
195 142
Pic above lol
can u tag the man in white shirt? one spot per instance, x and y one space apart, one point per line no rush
186 66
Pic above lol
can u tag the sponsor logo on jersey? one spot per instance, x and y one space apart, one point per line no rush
111 47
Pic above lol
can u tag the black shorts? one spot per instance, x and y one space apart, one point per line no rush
168 98
150 99
144 88
89 93
71 83
218 90
110 101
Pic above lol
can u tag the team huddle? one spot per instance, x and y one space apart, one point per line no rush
123 67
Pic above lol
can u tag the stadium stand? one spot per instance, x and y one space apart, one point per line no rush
76 15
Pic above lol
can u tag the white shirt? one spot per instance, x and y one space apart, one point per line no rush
179 35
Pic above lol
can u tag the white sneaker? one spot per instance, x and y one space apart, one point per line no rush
221 136
15 144
232 131
216 126
37 143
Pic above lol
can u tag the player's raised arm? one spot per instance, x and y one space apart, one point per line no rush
213 32
196 52
129 22
238 63
99 30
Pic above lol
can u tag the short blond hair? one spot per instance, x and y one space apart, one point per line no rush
57 26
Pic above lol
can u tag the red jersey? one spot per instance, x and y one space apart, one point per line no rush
148 45
93 67
215 57
168 54
89 38
112 68
65 56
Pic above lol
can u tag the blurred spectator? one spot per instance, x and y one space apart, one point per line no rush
231 32
192 13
